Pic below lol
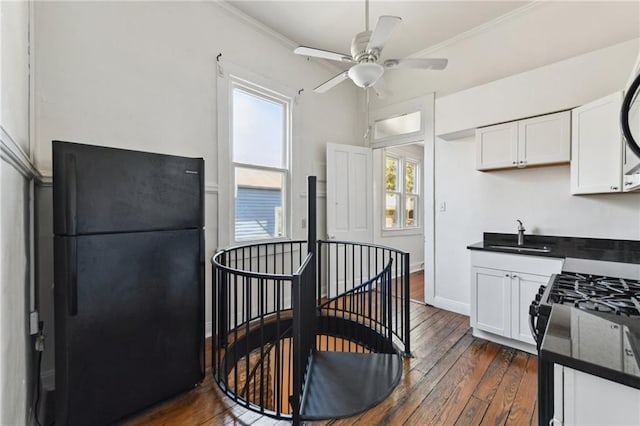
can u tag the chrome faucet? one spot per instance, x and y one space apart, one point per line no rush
520 233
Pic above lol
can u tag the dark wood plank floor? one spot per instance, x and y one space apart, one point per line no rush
453 378
416 289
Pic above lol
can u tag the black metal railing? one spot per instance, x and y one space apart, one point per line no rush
304 330
252 307
365 315
275 304
344 265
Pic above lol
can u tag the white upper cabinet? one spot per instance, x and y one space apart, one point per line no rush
544 139
530 142
497 146
596 143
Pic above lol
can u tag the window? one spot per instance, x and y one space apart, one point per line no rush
260 123
402 192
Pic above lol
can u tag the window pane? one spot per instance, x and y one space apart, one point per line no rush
410 177
259 204
411 210
395 126
258 130
391 218
391 174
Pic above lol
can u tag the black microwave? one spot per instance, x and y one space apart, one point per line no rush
630 115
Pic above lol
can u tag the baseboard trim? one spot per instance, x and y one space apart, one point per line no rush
522 346
451 305
415 267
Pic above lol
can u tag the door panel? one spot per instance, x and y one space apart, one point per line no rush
102 190
349 193
137 336
492 288
545 139
524 288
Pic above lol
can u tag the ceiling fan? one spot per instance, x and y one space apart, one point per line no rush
365 54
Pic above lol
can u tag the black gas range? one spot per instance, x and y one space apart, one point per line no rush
613 295
586 291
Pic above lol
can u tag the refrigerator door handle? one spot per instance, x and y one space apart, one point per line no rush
72 195
73 277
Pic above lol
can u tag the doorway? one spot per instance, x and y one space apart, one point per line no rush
398 215
405 131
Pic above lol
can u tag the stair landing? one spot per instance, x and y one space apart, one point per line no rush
343 384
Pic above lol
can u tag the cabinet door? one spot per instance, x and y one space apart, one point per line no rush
490 310
497 146
544 139
591 400
523 290
596 144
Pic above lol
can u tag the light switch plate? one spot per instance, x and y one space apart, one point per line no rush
442 206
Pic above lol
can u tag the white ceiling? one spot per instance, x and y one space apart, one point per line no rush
483 40
331 25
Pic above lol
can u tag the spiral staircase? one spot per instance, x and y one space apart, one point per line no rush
309 330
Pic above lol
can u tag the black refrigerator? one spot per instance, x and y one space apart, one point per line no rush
129 280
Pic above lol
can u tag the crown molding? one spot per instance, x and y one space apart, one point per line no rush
270 32
13 154
489 25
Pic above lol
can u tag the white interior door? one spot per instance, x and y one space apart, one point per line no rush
349 193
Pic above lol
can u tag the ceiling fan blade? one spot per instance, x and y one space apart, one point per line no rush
324 54
332 82
382 32
419 63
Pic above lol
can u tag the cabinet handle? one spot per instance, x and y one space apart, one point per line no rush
514 162
506 275
614 188
628 183
514 276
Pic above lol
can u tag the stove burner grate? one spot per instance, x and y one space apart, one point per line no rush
597 293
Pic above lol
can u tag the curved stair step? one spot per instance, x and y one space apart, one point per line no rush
342 384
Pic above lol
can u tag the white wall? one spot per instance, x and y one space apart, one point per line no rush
554 87
142 75
410 241
480 202
542 33
14 302
16 354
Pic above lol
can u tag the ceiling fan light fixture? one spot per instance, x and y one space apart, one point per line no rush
366 74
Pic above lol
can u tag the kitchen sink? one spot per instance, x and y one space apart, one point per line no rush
523 248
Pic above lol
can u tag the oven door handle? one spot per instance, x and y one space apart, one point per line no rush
532 323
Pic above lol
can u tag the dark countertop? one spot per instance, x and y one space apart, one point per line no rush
624 251
605 345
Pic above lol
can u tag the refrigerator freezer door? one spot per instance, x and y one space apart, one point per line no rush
103 190
136 333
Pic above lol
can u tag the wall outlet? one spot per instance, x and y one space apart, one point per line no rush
304 223
442 206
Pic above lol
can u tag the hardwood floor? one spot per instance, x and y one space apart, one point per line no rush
416 286
453 378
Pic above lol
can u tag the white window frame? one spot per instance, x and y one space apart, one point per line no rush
397 110
400 182
229 78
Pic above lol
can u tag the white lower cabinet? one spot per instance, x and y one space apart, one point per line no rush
584 399
502 288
